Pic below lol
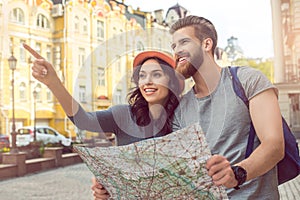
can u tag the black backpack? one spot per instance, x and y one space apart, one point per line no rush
289 167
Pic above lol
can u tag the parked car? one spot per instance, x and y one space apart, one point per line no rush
4 141
44 134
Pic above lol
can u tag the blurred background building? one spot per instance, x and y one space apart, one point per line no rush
286 36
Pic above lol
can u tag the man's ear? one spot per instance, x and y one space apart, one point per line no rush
207 44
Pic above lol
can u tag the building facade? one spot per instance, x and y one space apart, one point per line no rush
91 44
286 36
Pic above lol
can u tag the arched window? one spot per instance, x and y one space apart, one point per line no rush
140 46
100 29
17 16
42 22
22 89
38 92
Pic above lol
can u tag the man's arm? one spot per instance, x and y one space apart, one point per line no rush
267 121
266 118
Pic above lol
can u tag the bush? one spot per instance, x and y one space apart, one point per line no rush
4 150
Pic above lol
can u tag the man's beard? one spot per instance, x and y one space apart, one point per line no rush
187 70
190 68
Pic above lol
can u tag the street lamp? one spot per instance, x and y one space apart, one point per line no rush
12 61
34 107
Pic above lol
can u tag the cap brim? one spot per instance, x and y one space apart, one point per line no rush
141 57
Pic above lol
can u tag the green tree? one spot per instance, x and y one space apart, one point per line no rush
265 66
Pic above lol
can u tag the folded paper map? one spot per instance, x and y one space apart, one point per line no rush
168 167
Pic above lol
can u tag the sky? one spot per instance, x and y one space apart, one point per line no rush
248 20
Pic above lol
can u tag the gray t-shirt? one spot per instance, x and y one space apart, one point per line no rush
225 120
119 120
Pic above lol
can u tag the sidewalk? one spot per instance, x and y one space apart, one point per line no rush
290 190
74 182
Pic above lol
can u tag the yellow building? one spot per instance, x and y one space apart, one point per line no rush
24 23
90 44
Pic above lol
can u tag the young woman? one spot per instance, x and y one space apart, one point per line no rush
149 112
151 103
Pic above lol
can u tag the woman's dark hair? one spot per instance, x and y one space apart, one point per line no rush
139 106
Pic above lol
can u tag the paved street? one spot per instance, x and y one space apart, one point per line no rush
74 182
68 183
290 190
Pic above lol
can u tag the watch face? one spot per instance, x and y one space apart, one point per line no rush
240 174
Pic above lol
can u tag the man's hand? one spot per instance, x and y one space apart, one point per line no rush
99 191
220 170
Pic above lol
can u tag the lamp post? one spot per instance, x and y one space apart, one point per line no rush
34 107
12 61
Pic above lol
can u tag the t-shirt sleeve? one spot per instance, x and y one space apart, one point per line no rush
254 82
99 121
175 121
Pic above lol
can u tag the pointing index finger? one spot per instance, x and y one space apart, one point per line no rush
32 52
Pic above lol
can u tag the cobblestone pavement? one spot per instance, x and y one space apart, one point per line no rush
67 183
74 183
290 190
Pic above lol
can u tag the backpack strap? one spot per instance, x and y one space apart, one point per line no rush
240 92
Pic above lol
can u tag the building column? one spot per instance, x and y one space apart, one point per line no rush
277 42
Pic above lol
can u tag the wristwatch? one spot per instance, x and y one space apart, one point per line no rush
240 175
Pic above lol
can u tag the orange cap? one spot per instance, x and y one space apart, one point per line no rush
141 57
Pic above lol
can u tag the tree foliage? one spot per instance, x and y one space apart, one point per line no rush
265 66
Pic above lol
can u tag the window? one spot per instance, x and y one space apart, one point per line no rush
85 26
38 48
140 46
22 52
118 97
295 110
121 35
81 57
48 53
76 24
50 132
101 76
100 29
17 16
42 22
38 91
49 95
114 32
82 92
22 89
